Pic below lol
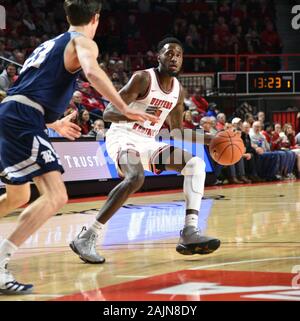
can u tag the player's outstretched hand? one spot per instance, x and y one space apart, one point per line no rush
67 128
140 116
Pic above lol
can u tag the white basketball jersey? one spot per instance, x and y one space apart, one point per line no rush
157 98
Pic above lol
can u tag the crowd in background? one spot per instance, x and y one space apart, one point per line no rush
272 151
126 32
235 27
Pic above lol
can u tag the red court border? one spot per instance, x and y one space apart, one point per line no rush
175 191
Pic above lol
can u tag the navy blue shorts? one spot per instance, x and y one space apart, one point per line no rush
25 149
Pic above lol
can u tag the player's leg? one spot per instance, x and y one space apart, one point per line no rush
241 172
132 169
291 163
297 152
193 168
15 197
52 197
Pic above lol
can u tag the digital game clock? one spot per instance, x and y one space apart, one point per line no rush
259 83
271 83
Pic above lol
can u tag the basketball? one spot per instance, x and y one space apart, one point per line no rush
227 148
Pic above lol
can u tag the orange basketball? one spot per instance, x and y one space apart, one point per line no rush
227 148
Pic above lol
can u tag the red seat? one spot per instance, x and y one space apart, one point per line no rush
283 117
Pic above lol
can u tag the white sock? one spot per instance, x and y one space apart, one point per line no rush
191 220
7 250
97 228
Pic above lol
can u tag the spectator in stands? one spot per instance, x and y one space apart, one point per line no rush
211 110
221 120
290 134
280 145
120 71
132 30
98 130
144 6
270 39
213 129
243 110
249 118
187 99
268 162
198 102
297 138
228 126
4 54
188 120
19 58
295 148
75 103
30 26
138 62
150 60
268 133
91 101
261 117
196 117
237 173
84 122
8 77
206 124
250 155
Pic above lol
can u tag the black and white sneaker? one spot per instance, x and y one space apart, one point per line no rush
9 286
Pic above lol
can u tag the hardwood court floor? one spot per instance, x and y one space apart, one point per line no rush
259 227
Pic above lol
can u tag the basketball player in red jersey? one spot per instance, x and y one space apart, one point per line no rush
133 148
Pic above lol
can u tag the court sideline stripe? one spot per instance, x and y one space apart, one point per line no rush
245 261
176 191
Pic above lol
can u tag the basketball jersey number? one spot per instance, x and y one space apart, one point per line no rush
157 114
39 55
153 111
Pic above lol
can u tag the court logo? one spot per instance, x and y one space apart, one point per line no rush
2 17
296 278
296 18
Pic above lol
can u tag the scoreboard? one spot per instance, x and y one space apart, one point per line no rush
259 83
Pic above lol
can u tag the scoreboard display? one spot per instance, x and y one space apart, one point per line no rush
259 83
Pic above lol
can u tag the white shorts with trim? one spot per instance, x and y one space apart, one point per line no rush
118 140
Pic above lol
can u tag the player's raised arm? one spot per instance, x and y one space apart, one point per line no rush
87 53
135 88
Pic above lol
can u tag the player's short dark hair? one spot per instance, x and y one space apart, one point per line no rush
80 12
167 40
